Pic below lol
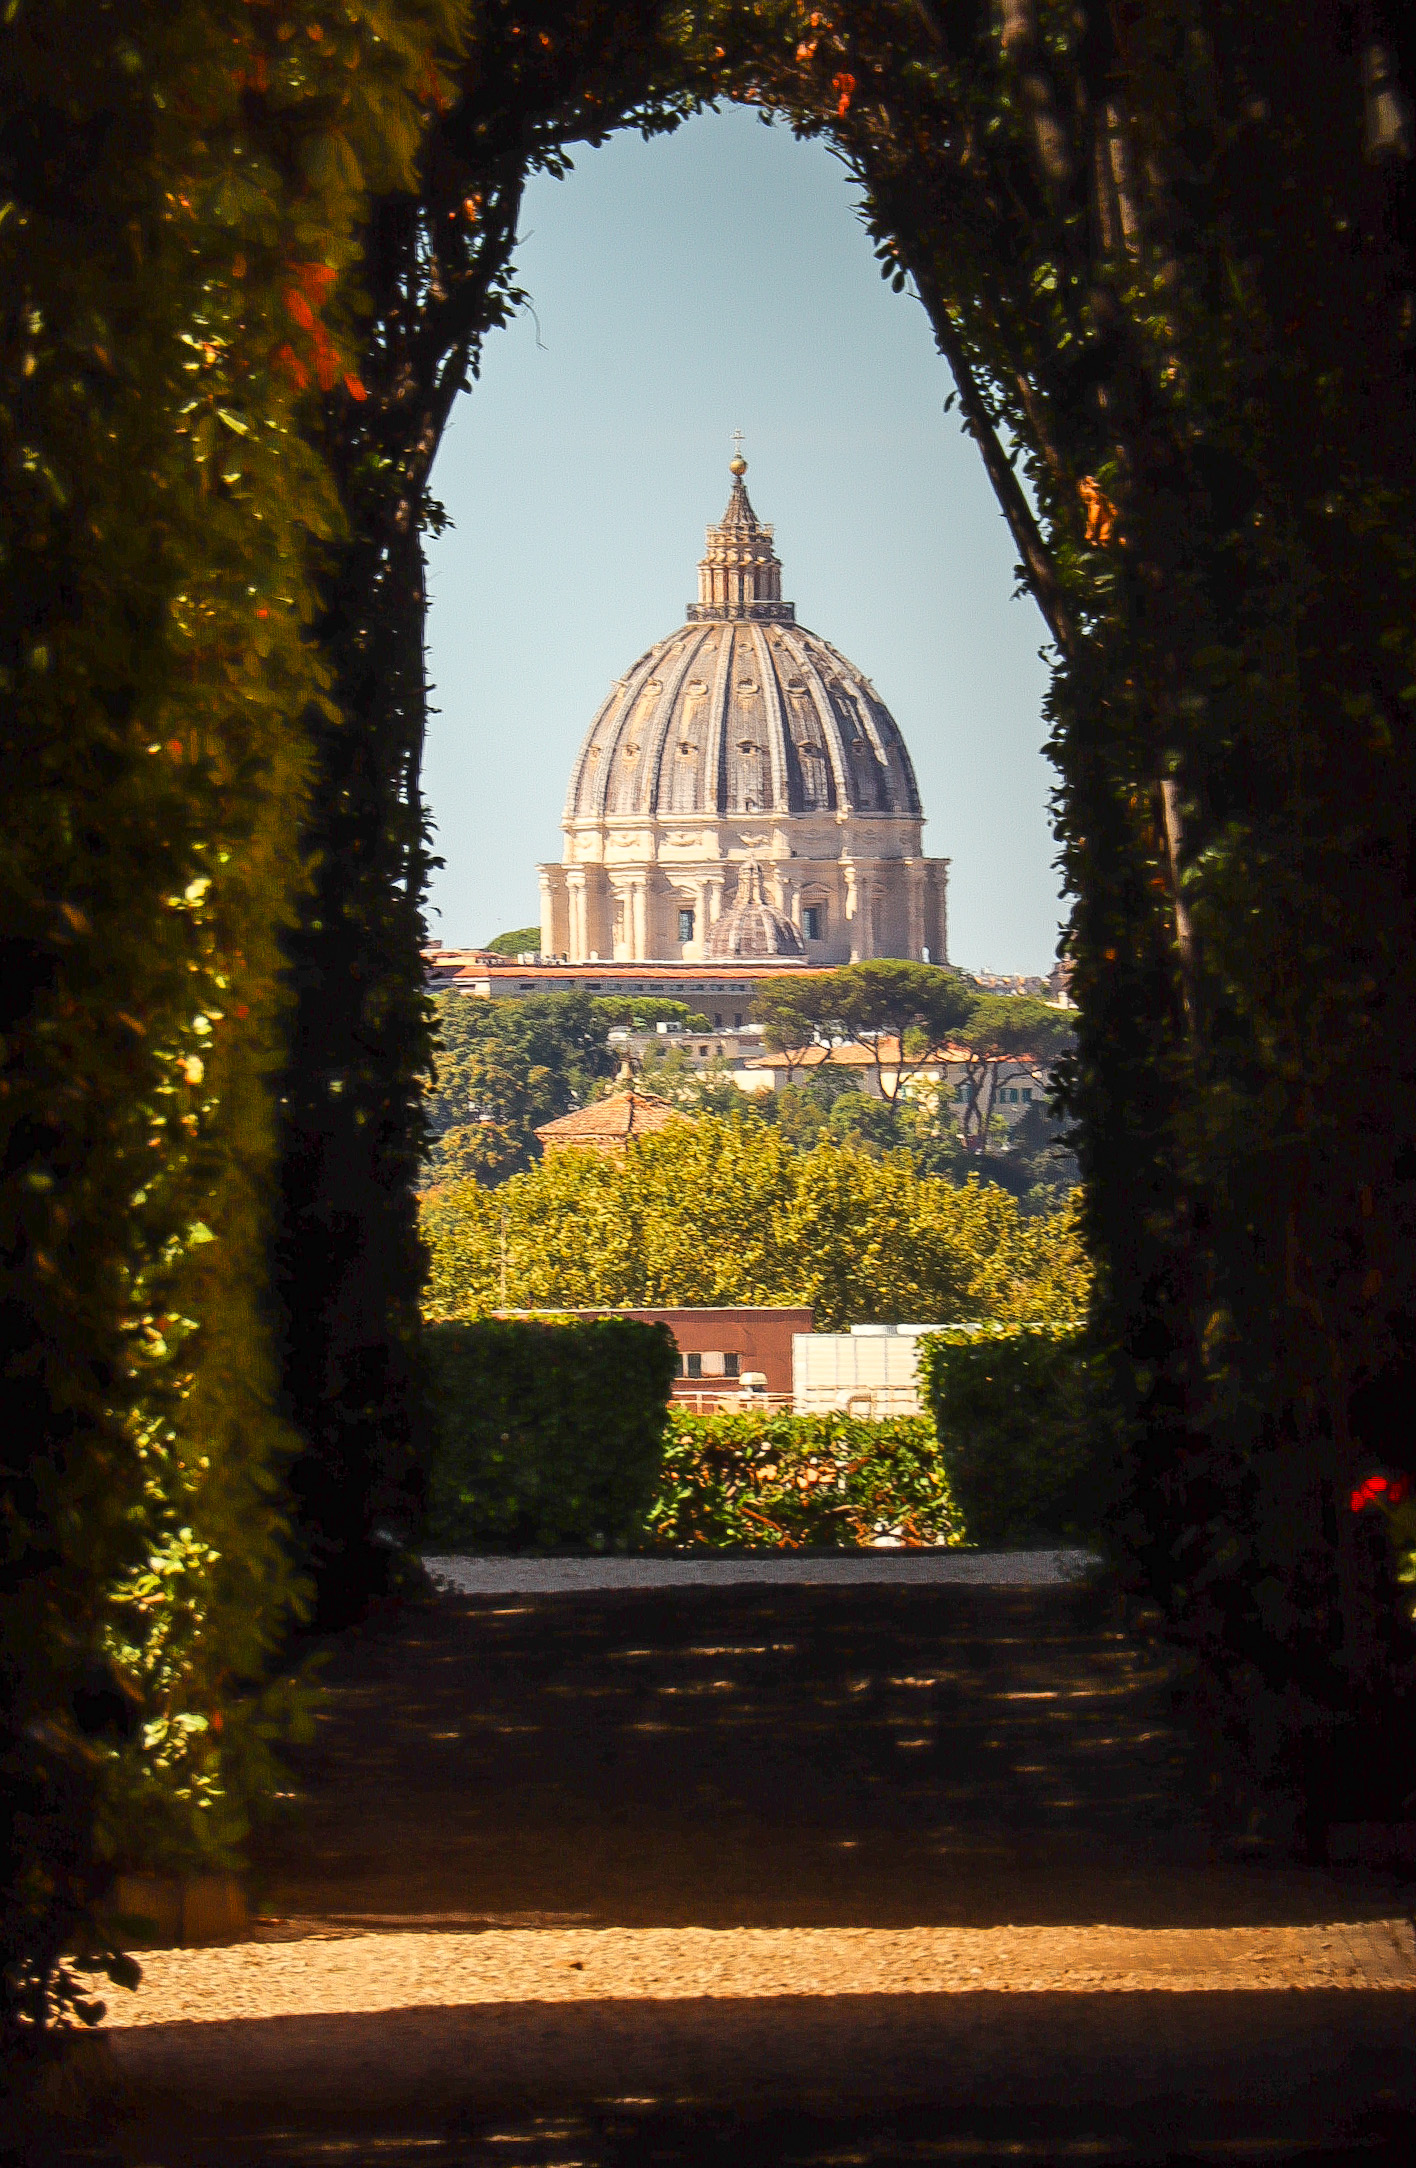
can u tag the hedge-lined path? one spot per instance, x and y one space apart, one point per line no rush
829 1853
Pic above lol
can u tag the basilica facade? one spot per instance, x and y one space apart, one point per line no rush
743 792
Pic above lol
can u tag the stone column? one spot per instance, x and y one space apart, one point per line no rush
857 915
639 917
577 941
940 913
865 914
548 915
918 938
714 886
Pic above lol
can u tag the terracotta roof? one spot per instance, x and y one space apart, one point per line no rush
729 968
610 1122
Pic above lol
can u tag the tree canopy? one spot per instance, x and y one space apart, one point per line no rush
723 1210
502 1068
1008 1034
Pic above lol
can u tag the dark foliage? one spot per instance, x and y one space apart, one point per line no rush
1027 1433
547 1435
179 192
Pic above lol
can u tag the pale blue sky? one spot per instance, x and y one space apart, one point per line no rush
686 287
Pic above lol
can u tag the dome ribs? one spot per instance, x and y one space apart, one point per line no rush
616 735
597 739
667 717
842 794
715 759
775 722
749 780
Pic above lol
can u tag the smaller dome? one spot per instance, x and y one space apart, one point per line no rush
752 928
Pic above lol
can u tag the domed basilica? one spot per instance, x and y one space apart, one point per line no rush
743 792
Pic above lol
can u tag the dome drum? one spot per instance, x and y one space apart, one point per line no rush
743 738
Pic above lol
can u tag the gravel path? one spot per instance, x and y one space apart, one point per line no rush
438 1970
742 1847
883 1568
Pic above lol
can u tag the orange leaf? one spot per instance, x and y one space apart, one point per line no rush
845 89
298 309
288 361
1101 512
354 388
315 280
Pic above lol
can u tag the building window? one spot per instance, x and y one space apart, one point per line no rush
962 1094
811 918
685 925
737 1020
1027 1097
703 1051
731 1366
717 1019
693 1366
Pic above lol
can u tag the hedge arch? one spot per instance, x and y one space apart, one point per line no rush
1166 248
1166 251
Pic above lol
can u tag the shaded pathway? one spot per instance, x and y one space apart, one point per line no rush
498 1781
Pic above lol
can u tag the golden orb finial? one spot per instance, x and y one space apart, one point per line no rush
737 464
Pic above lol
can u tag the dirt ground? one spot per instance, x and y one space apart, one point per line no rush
794 1875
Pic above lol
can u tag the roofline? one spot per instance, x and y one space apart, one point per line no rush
668 1309
729 969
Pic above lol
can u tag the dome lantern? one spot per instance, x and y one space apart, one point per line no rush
739 575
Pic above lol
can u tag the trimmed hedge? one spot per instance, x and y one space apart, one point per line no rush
783 1482
187 190
547 1435
1026 1434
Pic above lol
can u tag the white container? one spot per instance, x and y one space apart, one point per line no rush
870 1372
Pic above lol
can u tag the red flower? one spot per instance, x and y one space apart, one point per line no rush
1390 1490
